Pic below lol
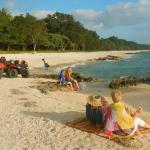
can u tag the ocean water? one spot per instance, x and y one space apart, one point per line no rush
137 65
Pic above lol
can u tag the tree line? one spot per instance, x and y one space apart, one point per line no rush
58 31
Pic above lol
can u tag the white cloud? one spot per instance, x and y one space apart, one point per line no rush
89 18
121 14
37 13
9 4
40 13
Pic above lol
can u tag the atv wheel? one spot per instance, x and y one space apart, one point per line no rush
13 73
25 73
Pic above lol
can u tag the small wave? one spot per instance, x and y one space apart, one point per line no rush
129 56
58 69
78 64
110 60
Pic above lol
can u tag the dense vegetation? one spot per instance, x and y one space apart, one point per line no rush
55 32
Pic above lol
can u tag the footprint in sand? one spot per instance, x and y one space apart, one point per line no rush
17 92
30 104
23 99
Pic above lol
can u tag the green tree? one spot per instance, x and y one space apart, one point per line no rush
18 31
59 42
5 18
36 31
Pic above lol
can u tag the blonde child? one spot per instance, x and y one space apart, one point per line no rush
125 118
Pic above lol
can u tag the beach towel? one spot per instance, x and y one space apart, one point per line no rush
119 137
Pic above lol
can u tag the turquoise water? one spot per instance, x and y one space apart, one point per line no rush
138 65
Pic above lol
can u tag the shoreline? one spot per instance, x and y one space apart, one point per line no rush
55 59
82 59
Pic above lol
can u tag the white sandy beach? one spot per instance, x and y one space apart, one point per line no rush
34 60
31 120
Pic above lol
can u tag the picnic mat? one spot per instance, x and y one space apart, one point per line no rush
84 125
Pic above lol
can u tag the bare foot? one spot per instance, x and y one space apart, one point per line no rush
138 134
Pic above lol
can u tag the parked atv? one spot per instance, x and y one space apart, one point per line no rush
13 69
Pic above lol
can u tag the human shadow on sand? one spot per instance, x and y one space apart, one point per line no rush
55 116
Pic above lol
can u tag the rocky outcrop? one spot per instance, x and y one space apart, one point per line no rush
108 57
123 82
81 78
76 76
45 76
46 87
144 80
128 81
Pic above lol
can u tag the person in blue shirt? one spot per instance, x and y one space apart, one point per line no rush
63 80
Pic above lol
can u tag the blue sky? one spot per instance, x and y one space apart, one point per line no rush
126 19
58 5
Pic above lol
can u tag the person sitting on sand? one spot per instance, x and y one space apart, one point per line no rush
110 124
63 80
46 65
105 108
126 119
68 77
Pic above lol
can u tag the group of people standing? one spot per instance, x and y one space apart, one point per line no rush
116 116
65 78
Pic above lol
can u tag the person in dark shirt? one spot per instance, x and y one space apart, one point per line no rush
46 65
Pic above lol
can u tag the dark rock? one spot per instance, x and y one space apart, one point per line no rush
76 76
128 81
123 82
46 87
45 76
108 57
145 80
81 78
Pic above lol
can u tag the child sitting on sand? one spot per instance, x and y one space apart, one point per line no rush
63 80
110 124
125 118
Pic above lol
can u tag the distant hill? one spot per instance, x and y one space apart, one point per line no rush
114 43
60 32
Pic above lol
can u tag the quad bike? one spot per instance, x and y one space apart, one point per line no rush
13 68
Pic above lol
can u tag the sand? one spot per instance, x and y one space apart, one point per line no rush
31 120
34 60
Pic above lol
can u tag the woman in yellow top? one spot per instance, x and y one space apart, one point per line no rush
126 119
